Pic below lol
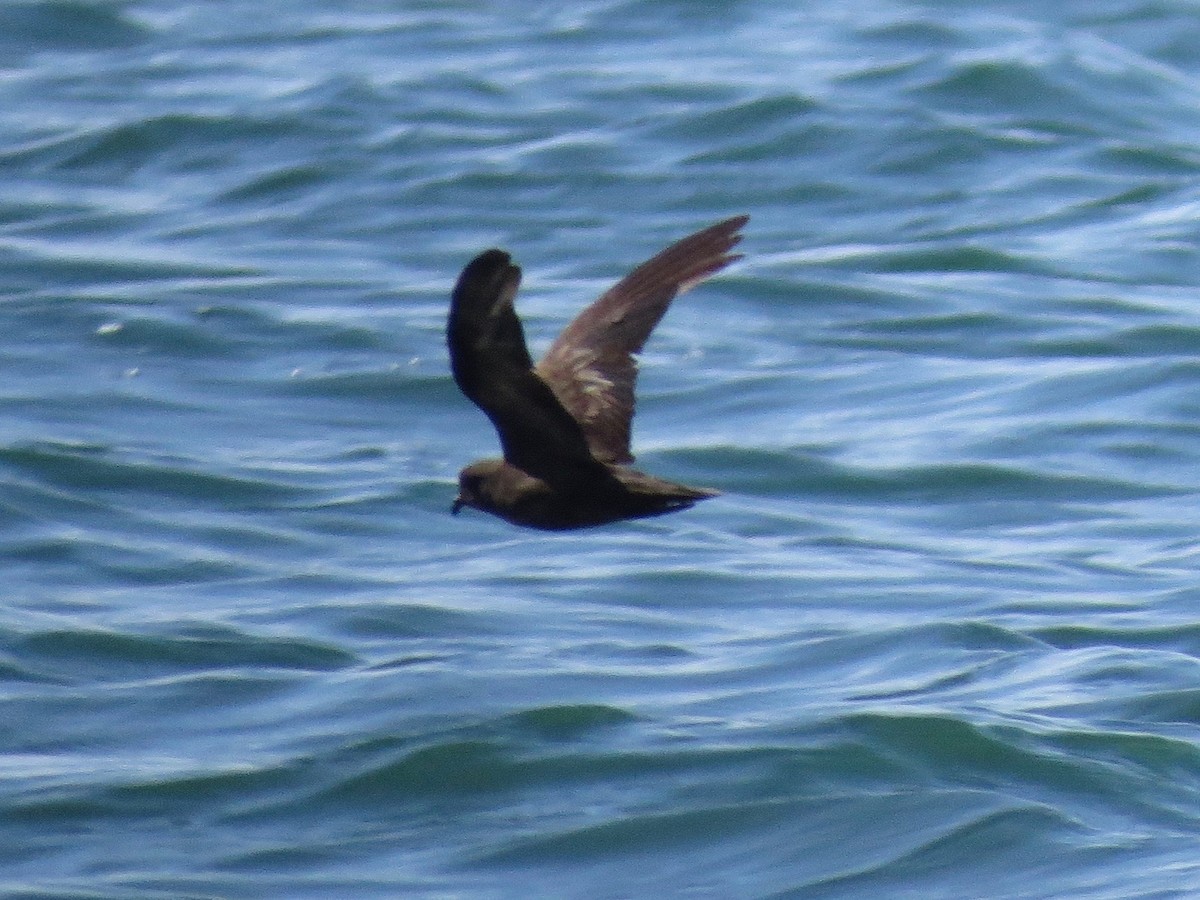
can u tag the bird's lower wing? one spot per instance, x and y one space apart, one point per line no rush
492 367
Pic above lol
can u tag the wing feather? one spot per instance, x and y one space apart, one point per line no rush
492 367
592 368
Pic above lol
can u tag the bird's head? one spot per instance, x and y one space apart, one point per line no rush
474 484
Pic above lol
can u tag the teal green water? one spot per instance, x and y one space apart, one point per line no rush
939 636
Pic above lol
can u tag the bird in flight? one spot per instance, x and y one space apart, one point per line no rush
564 424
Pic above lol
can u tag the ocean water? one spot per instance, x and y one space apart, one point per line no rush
938 638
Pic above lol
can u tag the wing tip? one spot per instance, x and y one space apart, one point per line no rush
487 273
487 260
731 227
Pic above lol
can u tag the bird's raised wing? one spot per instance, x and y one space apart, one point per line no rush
591 366
492 366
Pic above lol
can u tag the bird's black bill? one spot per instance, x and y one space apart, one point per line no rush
457 506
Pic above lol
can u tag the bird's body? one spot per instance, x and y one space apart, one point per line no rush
564 425
494 486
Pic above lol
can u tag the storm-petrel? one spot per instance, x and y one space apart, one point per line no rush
564 425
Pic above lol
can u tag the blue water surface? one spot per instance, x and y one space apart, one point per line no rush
939 636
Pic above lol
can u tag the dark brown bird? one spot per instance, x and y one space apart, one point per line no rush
564 425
